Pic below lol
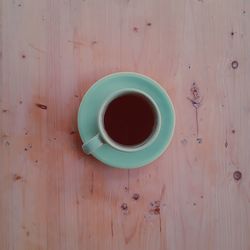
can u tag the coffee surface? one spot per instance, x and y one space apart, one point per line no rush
129 119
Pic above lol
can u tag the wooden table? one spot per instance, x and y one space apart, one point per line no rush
195 196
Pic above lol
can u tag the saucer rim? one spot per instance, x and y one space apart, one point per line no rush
140 163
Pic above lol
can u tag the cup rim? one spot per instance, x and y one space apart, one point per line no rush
106 138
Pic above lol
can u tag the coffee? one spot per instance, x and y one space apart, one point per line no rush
129 119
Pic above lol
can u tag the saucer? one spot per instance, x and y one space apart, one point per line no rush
94 99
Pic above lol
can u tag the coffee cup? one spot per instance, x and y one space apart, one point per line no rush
128 120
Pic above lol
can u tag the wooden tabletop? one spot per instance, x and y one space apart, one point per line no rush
195 196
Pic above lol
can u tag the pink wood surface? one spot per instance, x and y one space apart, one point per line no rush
54 197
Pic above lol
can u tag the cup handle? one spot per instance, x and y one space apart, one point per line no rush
93 144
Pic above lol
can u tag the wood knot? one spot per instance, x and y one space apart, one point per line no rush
135 29
124 206
17 177
195 91
235 64
135 196
41 106
155 208
199 140
237 175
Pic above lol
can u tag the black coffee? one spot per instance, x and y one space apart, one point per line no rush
129 119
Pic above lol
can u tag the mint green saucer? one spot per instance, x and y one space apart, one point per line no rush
94 99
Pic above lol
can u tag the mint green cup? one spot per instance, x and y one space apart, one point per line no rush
96 140
102 136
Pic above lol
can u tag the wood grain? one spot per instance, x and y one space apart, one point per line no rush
52 196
